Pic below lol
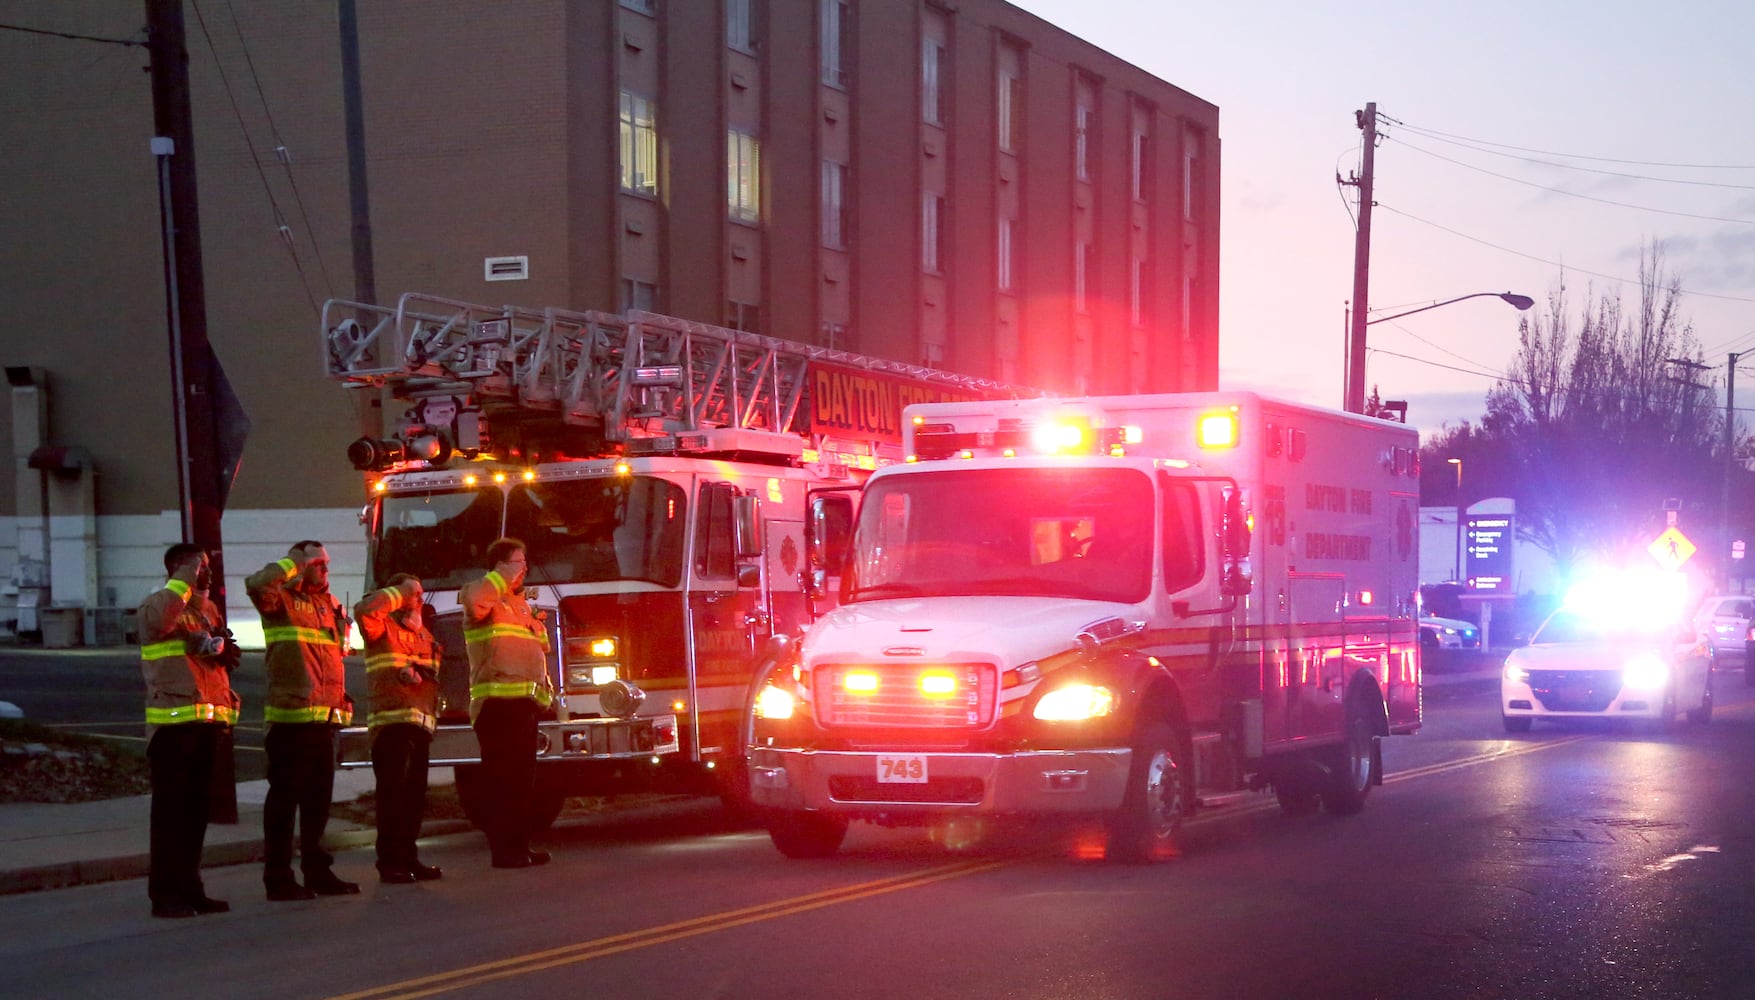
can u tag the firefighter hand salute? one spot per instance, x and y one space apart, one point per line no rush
306 634
508 686
186 657
402 696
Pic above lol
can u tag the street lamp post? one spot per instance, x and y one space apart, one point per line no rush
1355 391
1457 573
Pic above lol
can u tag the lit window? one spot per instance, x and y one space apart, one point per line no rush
834 205
932 94
639 144
932 233
1005 255
1008 109
743 176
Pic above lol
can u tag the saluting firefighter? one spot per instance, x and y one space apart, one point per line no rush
402 702
508 685
308 704
186 656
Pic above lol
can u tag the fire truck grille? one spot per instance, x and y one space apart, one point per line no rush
906 695
942 791
1575 690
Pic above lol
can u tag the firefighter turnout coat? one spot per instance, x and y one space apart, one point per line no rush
394 654
182 685
507 643
305 632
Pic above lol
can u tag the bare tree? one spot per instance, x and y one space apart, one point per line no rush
1599 427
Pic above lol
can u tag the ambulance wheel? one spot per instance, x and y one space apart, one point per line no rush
1148 826
805 834
1352 766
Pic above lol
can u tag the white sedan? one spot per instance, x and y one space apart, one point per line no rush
1580 666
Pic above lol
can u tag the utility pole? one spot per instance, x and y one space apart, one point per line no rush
1724 506
1355 401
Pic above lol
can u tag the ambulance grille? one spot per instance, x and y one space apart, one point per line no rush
937 696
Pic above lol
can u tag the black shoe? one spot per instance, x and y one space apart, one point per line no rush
326 884
288 892
395 876
207 904
529 859
426 873
172 911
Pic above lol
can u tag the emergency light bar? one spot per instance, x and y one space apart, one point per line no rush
1065 436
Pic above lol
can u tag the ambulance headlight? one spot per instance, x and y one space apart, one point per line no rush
775 703
1075 702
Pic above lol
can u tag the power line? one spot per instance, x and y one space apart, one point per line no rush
1586 170
137 41
1571 156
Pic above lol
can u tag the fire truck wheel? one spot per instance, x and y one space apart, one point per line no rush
1148 826
1351 766
806 834
545 807
472 793
1297 795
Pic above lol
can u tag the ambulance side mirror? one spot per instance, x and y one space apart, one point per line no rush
746 526
827 529
1236 576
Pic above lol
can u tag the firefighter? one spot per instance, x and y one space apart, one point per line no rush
187 656
508 685
402 699
308 704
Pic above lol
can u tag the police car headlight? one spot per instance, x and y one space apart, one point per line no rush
1645 672
1515 674
1075 702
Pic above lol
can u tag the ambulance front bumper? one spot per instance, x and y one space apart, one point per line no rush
854 782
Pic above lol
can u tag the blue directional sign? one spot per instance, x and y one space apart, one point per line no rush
1488 556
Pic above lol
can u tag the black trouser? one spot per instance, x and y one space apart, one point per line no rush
181 757
506 730
399 761
301 781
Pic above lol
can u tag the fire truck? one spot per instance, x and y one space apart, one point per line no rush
657 471
1123 608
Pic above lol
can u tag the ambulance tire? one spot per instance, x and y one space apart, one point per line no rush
1148 826
1352 765
799 834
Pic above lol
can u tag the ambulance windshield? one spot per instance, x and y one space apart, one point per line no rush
1059 532
578 531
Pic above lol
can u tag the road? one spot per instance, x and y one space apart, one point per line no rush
1584 862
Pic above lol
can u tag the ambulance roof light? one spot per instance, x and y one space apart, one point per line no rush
1218 429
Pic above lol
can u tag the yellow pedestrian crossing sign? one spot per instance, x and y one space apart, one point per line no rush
1671 549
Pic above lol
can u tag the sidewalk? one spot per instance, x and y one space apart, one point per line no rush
52 846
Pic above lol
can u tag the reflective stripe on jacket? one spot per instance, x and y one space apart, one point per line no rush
507 643
392 646
181 686
307 680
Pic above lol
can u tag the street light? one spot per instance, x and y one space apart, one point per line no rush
1355 396
1457 574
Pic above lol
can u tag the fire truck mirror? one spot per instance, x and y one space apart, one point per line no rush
746 521
749 575
826 532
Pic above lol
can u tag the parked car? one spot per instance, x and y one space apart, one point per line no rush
1579 665
1448 633
1724 621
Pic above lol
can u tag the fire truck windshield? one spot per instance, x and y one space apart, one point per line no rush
1057 532
577 531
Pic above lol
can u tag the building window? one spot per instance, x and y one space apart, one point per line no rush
737 25
834 205
837 26
1011 101
639 145
1084 122
1081 276
932 233
743 176
643 6
638 294
1190 163
745 316
1141 147
932 83
1006 277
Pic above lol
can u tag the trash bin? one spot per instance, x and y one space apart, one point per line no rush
63 628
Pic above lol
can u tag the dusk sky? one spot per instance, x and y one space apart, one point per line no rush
1534 136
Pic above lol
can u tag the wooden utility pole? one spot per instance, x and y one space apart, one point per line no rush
1355 401
1724 505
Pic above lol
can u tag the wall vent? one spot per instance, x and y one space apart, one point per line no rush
505 268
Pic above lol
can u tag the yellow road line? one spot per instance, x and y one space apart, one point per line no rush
506 968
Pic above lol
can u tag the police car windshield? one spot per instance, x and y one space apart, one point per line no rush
1062 532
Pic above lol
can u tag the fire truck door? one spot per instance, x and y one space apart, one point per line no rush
718 621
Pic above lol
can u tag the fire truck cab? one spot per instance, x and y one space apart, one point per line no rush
1122 607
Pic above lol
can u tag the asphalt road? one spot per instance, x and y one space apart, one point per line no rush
1593 861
